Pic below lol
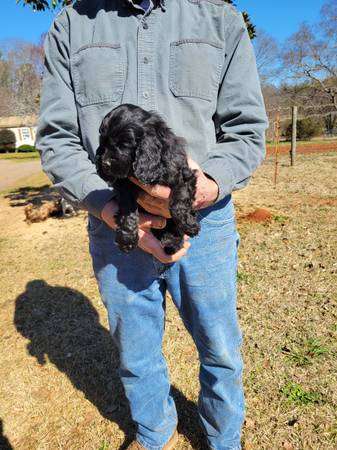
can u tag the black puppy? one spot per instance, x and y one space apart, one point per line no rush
138 143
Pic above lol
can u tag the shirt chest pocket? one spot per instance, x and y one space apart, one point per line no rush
195 68
98 72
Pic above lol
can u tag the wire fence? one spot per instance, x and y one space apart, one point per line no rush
304 111
290 116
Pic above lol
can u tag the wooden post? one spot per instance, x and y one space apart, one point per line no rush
277 135
293 136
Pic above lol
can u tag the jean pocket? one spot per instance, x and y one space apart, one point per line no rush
98 73
195 67
218 215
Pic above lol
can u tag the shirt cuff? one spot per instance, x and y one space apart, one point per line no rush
220 172
98 194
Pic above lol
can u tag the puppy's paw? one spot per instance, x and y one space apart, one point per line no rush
126 241
127 231
189 225
171 243
192 230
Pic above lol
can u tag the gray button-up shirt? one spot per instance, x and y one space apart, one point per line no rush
190 60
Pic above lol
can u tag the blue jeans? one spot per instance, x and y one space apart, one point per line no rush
203 288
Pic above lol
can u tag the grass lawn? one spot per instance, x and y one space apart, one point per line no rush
33 182
312 142
58 383
29 156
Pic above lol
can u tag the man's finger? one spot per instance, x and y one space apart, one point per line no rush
151 221
152 245
153 209
196 205
156 201
192 164
160 191
155 190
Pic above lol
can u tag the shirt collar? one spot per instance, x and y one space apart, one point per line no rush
156 3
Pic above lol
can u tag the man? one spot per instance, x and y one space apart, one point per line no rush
192 61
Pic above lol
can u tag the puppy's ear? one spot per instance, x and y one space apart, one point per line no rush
99 162
147 165
103 129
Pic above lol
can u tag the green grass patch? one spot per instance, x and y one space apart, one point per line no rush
243 277
29 156
280 219
296 394
333 432
305 352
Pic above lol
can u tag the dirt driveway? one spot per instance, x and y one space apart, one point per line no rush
11 172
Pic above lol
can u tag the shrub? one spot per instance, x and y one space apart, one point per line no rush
7 138
7 150
306 129
26 148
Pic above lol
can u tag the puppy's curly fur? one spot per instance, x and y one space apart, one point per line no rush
138 143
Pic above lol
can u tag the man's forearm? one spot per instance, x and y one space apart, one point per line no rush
58 140
240 118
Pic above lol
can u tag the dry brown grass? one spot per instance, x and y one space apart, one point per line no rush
58 385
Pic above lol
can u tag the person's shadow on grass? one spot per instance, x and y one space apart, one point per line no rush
62 324
4 442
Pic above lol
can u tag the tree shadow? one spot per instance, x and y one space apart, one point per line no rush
4 442
35 195
63 326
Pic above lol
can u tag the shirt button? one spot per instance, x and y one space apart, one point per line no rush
145 94
145 26
145 60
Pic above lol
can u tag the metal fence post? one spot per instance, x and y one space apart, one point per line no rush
277 135
293 136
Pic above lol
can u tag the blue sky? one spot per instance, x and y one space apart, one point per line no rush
279 18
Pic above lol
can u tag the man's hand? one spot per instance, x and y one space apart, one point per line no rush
147 241
155 198
146 221
207 189
150 244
